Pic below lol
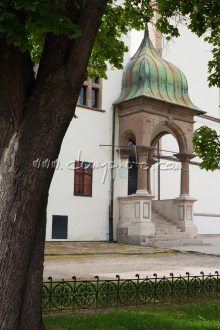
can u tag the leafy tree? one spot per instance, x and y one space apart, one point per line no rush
207 147
66 37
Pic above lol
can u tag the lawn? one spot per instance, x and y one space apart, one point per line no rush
199 315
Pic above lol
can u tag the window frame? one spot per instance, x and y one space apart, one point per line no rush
83 173
84 98
88 101
96 90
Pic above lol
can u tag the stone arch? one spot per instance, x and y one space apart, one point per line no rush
164 128
128 135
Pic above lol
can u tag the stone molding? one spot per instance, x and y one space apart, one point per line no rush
185 157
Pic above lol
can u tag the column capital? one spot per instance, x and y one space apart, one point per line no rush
151 162
184 157
125 152
142 150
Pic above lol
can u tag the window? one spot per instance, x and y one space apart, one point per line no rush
59 227
94 98
82 96
91 94
96 80
83 179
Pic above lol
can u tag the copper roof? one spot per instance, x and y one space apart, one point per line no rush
149 75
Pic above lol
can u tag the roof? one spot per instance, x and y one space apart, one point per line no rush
149 75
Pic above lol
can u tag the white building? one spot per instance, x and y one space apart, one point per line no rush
83 200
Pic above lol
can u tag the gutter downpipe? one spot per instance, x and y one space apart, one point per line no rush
158 181
111 206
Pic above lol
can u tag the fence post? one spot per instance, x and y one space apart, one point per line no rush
74 292
155 287
137 288
171 274
217 286
118 288
97 289
202 273
187 273
50 292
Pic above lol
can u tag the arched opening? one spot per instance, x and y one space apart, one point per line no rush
167 141
166 172
132 168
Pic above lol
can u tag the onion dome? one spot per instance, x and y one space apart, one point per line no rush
149 75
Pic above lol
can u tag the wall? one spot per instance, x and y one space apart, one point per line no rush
88 217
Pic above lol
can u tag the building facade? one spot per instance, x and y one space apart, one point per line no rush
88 198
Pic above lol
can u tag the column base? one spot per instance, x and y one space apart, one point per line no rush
135 218
141 192
183 210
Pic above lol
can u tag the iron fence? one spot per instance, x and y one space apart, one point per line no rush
75 295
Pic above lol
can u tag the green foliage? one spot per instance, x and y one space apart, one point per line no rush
207 147
117 21
25 23
204 16
200 315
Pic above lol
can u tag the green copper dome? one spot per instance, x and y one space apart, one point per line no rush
148 75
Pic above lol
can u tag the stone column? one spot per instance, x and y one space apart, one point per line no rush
142 173
184 183
142 170
89 95
150 163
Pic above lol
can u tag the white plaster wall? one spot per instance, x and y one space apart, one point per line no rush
121 176
191 54
88 217
207 225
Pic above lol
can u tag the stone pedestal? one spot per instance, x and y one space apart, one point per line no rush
135 219
183 212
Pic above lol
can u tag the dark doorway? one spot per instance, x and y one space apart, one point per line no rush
132 171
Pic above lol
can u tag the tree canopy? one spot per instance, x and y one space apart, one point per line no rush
25 23
207 147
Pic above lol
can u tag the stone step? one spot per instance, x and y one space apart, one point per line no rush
169 241
164 225
158 218
169 232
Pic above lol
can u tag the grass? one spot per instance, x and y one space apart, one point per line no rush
113 255
199 315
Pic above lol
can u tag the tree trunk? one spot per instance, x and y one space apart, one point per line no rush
23 186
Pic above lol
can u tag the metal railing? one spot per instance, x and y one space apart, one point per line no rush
75 295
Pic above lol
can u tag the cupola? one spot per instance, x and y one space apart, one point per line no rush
149 75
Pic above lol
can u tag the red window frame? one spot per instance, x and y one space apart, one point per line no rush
83 179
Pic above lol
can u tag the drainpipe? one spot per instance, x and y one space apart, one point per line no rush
158 169
112 179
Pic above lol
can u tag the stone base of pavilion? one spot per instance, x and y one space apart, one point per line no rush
135 218
144 221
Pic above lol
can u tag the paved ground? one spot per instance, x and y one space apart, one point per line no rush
88 259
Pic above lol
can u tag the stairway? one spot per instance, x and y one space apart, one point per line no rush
167 234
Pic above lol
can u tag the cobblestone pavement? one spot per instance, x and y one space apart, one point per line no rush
88 259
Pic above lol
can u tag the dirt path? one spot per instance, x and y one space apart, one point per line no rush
86 260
